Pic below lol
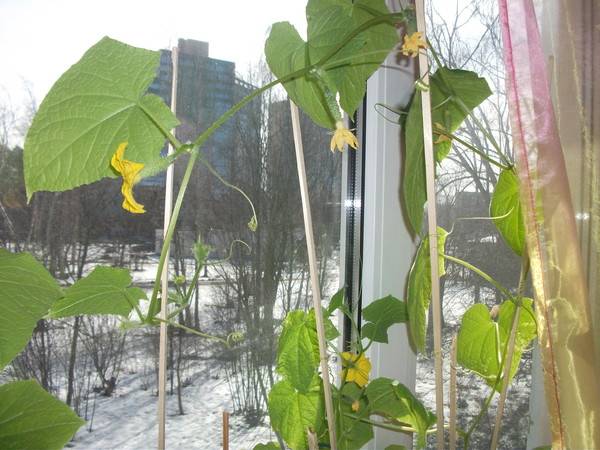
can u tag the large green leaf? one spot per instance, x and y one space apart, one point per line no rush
293 412
346 72
419 288
454 93
27 292
329 21
286 52
32 419
380 316
393 400
94 106
298 351
481 340
505 209
104 291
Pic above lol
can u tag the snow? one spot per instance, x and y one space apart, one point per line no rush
128 419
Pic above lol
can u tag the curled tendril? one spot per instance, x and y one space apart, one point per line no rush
235 338
253 223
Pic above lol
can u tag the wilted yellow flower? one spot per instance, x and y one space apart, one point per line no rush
355 405
440 131
357 368
413 43
130 171
342 136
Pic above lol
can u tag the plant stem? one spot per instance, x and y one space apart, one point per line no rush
399 428
511 350
168 135
193 331
154 307
481 273
473 149
190 291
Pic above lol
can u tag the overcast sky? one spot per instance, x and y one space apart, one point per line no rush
40 39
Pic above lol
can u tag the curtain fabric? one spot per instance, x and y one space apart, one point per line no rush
559 280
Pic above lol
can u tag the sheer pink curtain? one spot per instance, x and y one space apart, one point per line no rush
561 277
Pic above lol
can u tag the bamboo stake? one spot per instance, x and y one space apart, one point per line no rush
163 337
314 279
432 227
225 430
453 402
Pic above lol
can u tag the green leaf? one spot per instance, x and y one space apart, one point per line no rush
477 345
32 419
27 291
505 209
329 21
286 52
267 446
381 315
331 332
346 72
392 400
104 291
526 329
395 447
292 412
298 351
481 340
94 106
352 433
419 288
336 301
452 92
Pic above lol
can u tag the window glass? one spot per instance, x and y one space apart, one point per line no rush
467 36
106 371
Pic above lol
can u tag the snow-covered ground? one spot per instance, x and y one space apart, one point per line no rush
128 419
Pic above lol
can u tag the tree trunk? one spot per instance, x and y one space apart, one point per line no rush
72 359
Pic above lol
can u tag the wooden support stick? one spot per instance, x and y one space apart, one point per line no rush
225 430
163 337
314 278
432 228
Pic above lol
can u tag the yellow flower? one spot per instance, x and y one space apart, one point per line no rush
413 43
357 368
130 171
355 405
342 136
